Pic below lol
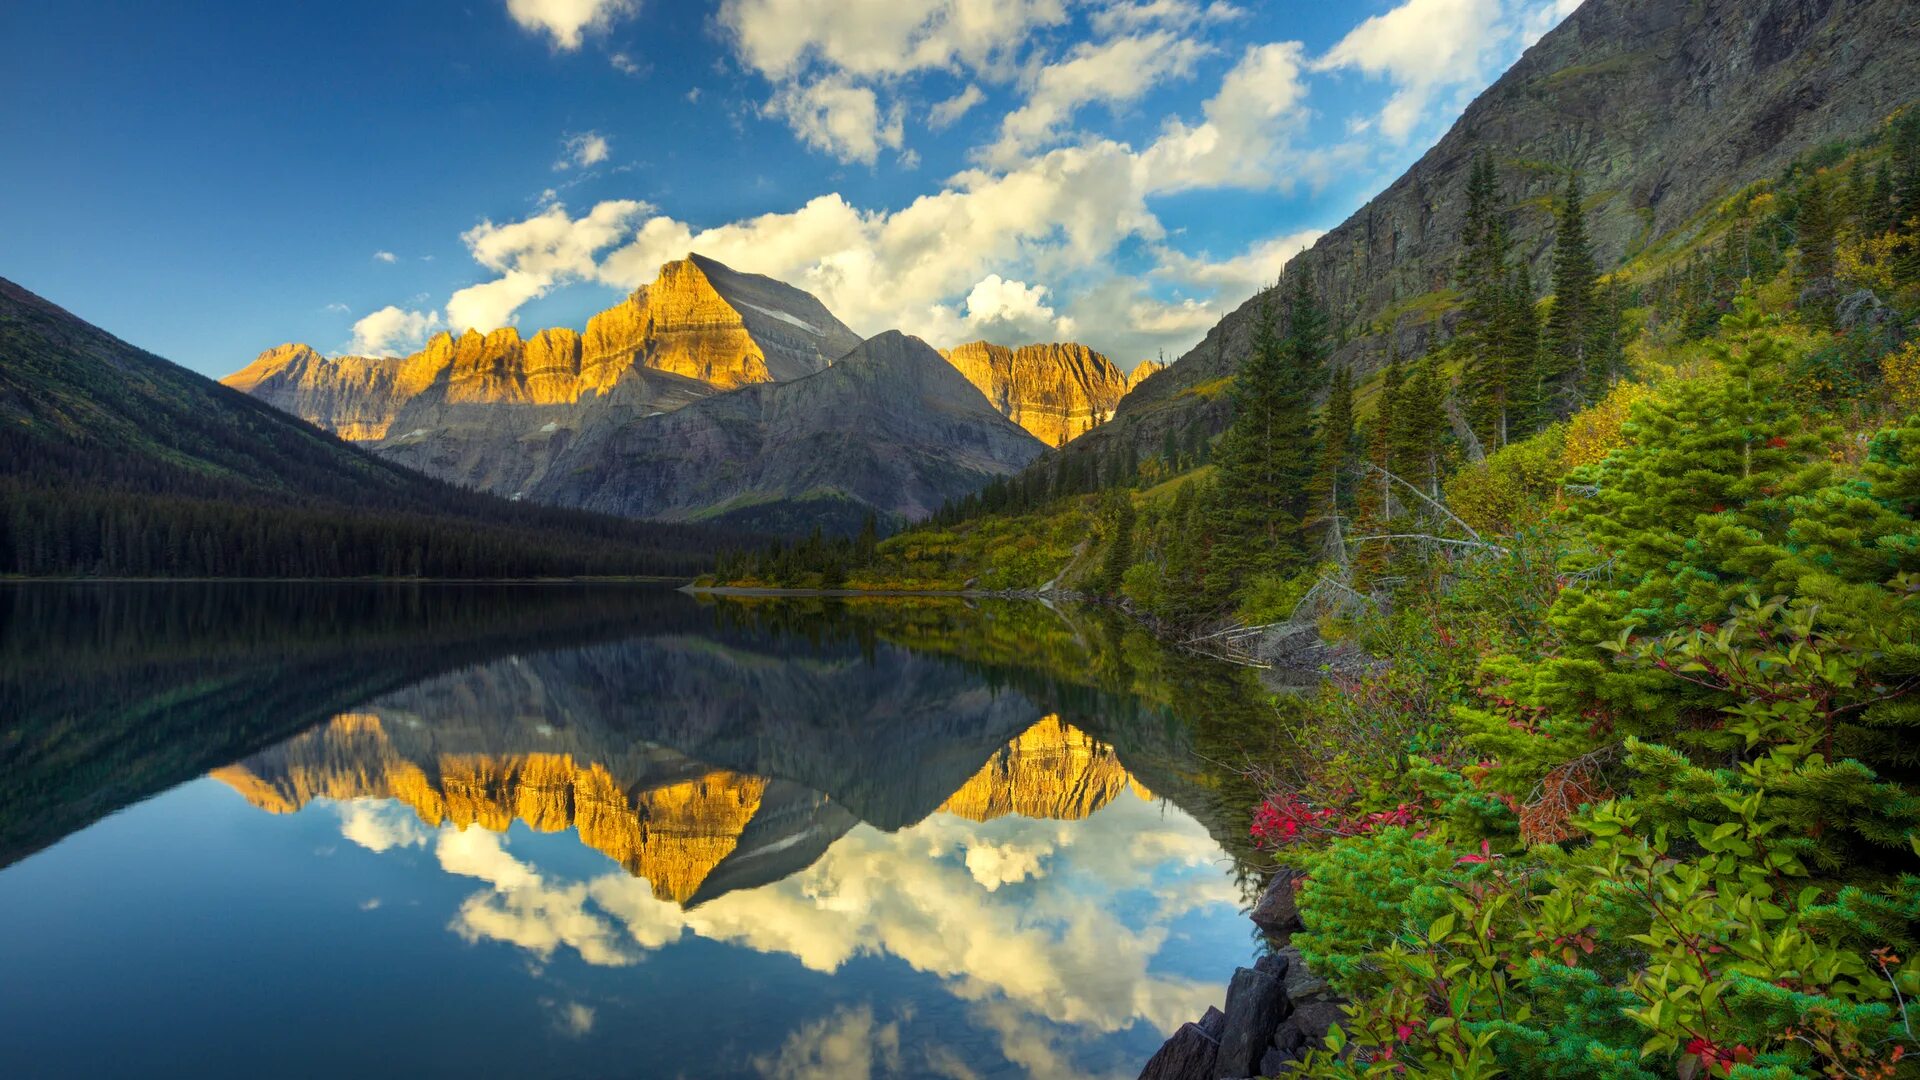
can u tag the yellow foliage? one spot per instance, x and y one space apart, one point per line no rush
1595 432
1866 261
1901 373
1511 486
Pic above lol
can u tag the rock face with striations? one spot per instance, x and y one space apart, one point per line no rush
890 428
1057 392
352 396
1664 108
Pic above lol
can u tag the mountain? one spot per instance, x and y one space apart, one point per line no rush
1057 392
692 831
1664 108
890 428
114 460
490 411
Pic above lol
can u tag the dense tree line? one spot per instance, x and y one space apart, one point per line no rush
75 509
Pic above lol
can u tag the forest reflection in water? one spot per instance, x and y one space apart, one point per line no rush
903 838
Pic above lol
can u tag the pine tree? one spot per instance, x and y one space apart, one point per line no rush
1906 196
1119 557
1520 349
1331 488
1569 331
1419 422
1265 460
1817 223
1486 332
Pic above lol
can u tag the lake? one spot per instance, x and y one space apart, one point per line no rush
605 830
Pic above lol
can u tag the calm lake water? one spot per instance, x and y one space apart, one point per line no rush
324 830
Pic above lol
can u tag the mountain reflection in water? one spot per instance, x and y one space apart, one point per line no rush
762 840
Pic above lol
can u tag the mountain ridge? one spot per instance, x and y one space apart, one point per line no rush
1663 109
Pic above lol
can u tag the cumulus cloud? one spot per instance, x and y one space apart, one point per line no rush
945 114
522 909
780 38
380 826
1013 312
1420 46
1123 16
1112 72
840 118
568 22
842 1046
1245 135
535 254
385 257
1258 266
392 330
582 150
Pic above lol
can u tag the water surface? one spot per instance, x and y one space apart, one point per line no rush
309 830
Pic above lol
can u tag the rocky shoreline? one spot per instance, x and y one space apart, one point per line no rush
1277 1011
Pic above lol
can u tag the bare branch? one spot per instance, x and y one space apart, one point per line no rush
1481 545
1431 501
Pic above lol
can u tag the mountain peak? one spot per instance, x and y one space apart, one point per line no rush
1057 390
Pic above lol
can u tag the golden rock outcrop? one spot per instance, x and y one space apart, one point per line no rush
1147 369
673 835
1057 392
1052 770
699 320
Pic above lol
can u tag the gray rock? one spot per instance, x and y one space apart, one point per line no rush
1277 912
1276 1061
1189 1055
1256 1004
1302 984
1214 1023
1272 964
1309 1024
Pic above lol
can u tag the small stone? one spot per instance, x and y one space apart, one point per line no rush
1189 1055
1256 1004
1278 912
1214 1023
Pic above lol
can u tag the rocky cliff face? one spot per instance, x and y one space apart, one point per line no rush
351 396
491 411
890 428
1663 107
1057 392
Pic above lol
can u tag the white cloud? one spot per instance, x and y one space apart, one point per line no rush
569 21
392 330
337 308
1546 15
378 826
385 257
1421 46
1013 312
1114 72
830 60
842 1046
584 149
780 38
1255 268
1261 102
1124 17
535 254
626 65
945 114
838 117
522 909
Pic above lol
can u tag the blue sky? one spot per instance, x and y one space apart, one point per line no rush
208 180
